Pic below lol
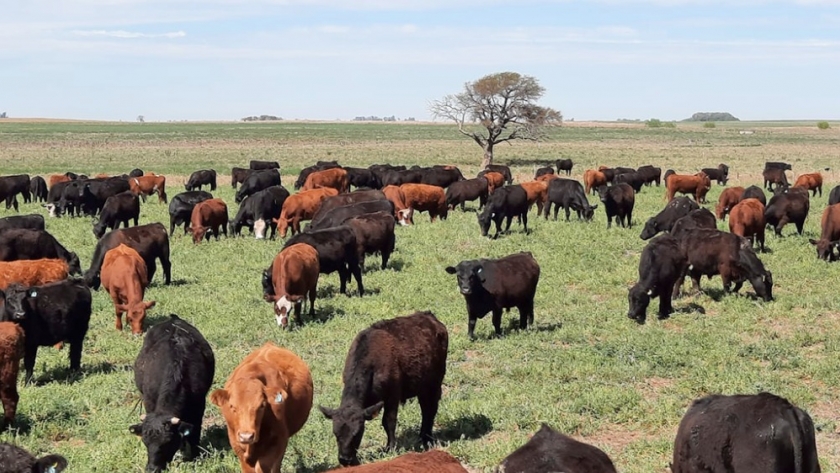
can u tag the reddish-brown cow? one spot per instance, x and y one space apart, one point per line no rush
396 197
436 461
11 351
147 185
830 235
301 206
697 185
813 182
424 197
494 180
537 191
58 178
593 179
294 274
728 198
547 177
32 272
335 178
746 219
125 277
212 214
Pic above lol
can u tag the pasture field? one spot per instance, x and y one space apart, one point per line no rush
585 368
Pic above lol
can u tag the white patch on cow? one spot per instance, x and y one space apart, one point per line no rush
691 267
136 181
650 292
283 317
259 229
51 208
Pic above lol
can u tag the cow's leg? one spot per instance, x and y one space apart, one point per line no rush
665 307
389 423
609 221
675 293
10 398
782 222
76 354
524 219
312 294
357 274
568 210
117 312
30 351
497 321
151 269
508 221
343 276
429 402
800 224
498 222
167 268
695 282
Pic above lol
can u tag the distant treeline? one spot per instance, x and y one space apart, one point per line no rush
261 118
711 117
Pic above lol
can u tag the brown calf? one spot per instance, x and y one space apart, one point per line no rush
212 214
32 272
436 461
537 191
301 206
294 274
830 235
746 219
728 198
147 185
335 178
697 185
494 180
57 178
593 179
125 277
424 197
11 351
812 182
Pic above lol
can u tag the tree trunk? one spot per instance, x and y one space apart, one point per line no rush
488 155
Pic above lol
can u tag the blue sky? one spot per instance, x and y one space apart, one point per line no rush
333 59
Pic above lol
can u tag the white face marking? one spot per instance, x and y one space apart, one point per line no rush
51 208
284 306
259 229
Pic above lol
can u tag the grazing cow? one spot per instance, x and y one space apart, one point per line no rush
147 185
755 192
792 206
238 176
17 460
119 208
335 178
496 284
293 275
257 181
11 351
32 272
379 171
173 372
728 198
611 173
829 235
150 241
181 207
501 169
319 166
569 194
650 174
263 165
550 451
54 204
618 200
341 200
508 201
11 186
441 176
401 210
461 192
209 215
778 165
398 178
700 218
337 251
93 193
301 206
31 221
719 174
812 182
265 401
436 461
58 178
697 185
565 165
424 198
834 196
660 268
774 176
537 191
263 207
385 368
593 179
495 180
747 220
49 314
543 171
712 252
339 215
760 433
361 177
204 177
665 219
136 172
374 234
668 173
125 278
633 179
38 189
25 244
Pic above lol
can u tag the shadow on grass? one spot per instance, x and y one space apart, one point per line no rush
300 467
152 320
691 308
465 428
323 314
174 283
214 438
65 375
22 425
397 264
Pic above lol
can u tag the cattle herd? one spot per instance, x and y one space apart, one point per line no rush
269 396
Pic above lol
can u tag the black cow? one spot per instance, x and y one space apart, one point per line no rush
256 182
569 194
238 176
11 186
618 202
490 285
665 219
374 234
610 173
565 165
385 368
263 165
633 179
198 179
173 372
17 460
760 433
755 192
122 207
95 192
70 200
398 178
319 166
834 196
337 216
650 174
181 207
361 177
38 189
788 207
699 218
775 176
263 207
23 244
150 241
508 201
441 176
136 173
49 314
337 251
543 171
31 221
501 169
54 196
467 190
719 174
778 165
244 219
660 268
341 200
551 451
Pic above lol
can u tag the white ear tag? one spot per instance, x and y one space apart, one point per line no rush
278 398
33 293
650 292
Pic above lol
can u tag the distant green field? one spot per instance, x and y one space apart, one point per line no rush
585 368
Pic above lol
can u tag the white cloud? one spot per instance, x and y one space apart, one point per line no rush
128 34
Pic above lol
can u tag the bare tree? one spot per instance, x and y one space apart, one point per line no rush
141 119
498 108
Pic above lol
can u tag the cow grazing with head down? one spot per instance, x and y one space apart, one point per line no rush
301 206
501 169
461 192
263 165
338 215
788 207
495 180
11 186
181 207
700 218
754 192
173 372
198 179
507 202
257 181
150 241
436 461
337 251
265 401
728 198
537 192
633 179
32 272
120 208
650 174
209 216
319 166
570 195
17 460
24 244
292 276
774 176
593 180
374 234
11 351
125 278
830 234
31 221
262 209
719 174
550 451
396 197
386 368
760 433
424 198
665 219
147 185
335 178
619 200
747 220
812 182
697 185
660 268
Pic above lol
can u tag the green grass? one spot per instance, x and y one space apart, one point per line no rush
585 369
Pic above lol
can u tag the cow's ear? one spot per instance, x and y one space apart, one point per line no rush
136 429
451 270
812 241
372 411
185 429
219 397
328 413
479 271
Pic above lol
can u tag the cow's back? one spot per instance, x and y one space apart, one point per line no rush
512 277
433 461
551 451
32 272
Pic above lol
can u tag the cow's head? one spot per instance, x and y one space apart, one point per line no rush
470 276
283 307
639 300
282 225
589 212
74 266
349 428
162 435
405 217
92 279
135 314
603 193
650 230
485 218
825 248
198 232
99 228
15 302
763 285
52 209
244 407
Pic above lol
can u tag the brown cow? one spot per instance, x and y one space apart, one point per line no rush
301 206
212 214
593 179
32 272
547 177
746 219
812 182
424 197
11 351
494 180
396 197
294 274
125 278
335 178
58 178
728 198
436 461
830 235
147 185
537 191
265 401
697 185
